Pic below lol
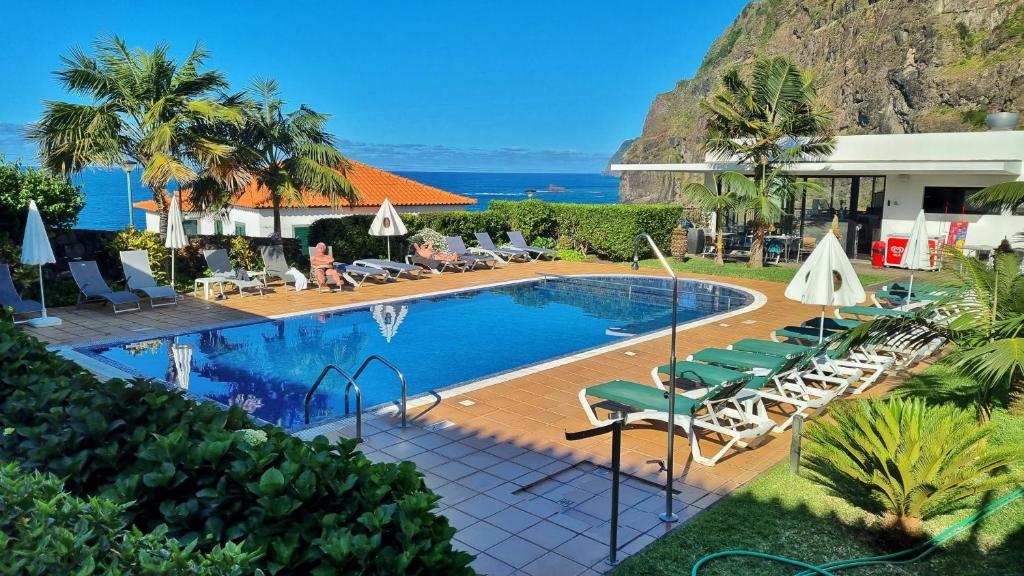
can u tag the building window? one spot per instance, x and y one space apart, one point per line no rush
218 226
951 200
191 227
239 228
301 233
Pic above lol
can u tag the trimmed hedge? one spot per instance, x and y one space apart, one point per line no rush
607 230
44 530
306 507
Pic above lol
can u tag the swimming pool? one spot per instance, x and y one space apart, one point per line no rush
437 341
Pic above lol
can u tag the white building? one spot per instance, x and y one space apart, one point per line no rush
250 213
930 171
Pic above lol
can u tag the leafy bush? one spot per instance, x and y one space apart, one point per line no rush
463 224
906 460
44 530
306 507
534 218
159 255
58 200
243 254
432 236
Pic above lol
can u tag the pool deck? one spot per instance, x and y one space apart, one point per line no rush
523 498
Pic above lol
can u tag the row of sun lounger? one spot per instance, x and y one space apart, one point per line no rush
726 395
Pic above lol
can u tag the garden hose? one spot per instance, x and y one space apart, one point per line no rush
903 557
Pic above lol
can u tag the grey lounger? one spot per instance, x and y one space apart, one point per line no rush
92 287
220 265
519 242
435 266
275 265
458 247
503 254
395 269
139 277
9 297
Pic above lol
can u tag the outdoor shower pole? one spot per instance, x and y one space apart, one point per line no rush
668 515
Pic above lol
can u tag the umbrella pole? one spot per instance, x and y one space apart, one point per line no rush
173 285
910 290
42 293
821 326
389 247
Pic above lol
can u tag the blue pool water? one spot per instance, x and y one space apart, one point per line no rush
267 367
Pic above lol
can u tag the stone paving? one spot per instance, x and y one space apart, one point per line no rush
523 498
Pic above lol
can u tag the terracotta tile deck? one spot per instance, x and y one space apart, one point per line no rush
523 499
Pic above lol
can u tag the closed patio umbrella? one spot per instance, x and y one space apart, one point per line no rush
388 223
36 251
176 238
826 278
389 318
182 354
917 255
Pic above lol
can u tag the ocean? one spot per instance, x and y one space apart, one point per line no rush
106 206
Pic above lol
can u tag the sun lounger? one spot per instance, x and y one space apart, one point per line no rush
517 240
356 274
458 247
869 312
275 265
139 277
92 287
486 245
10 298
394 269
715 410
916 299
434 265
218 263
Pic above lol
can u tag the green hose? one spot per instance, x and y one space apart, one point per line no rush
903 557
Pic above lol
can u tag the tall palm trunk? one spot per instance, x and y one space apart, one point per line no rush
163 205
719 241
757 244
276 201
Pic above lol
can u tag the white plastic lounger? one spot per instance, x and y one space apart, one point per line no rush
394 269
220 265
517 240
486 245
139 277
92 287
458 247
9 297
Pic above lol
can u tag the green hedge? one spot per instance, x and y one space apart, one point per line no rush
306 507
607 230
44 530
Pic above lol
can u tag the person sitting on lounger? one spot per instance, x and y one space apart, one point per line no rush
426 250
323 266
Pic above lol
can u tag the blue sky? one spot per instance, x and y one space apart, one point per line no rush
441 85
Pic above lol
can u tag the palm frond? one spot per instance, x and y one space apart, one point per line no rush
1004 196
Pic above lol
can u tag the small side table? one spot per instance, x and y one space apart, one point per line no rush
205 283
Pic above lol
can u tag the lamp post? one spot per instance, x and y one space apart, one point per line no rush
128 166
668 515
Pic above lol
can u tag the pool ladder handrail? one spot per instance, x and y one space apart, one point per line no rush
387 364
351 384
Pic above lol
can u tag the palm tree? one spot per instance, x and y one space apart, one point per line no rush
718 202
145 108
1004 196
285 153
769 122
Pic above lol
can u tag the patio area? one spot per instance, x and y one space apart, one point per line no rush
522 497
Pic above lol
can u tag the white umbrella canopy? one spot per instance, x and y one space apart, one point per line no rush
917 255
388 223
176 238
826 278
36 251
182 354
389 318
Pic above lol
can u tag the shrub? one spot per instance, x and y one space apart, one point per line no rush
432 236
906 460
243 254
58 200
534 218
306 507
159 255
91 535
610 229
461 223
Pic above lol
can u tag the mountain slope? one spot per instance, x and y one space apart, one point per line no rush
883 66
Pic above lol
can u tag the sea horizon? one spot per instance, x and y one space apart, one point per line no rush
106 191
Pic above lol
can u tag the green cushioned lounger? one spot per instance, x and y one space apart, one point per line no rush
704 375
872 311
640 396
837 324
738 359
783 349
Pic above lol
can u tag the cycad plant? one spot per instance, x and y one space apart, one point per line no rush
906 460
145 108
768 122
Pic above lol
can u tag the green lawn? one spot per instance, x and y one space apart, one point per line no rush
790 516
740 270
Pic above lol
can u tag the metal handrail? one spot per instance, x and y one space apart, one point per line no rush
351 384
393 368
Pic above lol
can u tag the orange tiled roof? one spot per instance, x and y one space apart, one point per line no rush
373 185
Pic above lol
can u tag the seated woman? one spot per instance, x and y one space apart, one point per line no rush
426 250
322 264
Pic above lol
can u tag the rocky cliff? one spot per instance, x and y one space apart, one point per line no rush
883 66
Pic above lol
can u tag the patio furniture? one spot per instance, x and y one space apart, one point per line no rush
139 277
217 261
9 296
92 287
807 245
394 269
502 254
434 265
206 282
275 265
458 247
714 409
517 240
870 312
